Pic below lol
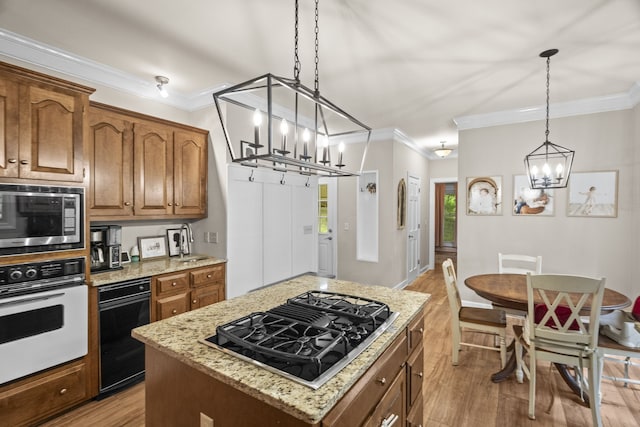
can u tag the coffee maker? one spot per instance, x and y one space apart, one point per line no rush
105 248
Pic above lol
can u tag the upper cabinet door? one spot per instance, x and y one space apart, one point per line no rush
153 169
111 151
51 134
189 173
8 128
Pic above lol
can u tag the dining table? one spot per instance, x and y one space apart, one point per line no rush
509 291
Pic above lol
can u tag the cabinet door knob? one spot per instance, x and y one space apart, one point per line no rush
24 162
127 203
420 374
177 204
174 311
12 160
208 276
195 301
381 381
173 284
63 391
169 204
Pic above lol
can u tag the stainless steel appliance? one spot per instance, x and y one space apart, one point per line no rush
310 338
36 218
105 247
122 306
43 316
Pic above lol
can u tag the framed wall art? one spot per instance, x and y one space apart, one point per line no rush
484 195
593 194
173 240
152 247
527 201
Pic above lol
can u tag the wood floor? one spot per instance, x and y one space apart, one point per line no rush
453 396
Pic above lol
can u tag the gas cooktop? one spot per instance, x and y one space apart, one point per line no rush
308 339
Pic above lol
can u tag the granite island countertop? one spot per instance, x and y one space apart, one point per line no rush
179 336
152 267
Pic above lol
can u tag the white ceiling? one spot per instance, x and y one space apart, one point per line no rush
413 65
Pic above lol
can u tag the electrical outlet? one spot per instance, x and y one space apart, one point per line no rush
211 237
346 226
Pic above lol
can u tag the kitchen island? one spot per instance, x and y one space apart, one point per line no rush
189 383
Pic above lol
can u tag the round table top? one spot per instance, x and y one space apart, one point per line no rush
510 291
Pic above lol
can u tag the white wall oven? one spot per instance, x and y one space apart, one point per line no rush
37 218
43 316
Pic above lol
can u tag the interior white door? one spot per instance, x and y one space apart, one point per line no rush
327 219
413 227
276 215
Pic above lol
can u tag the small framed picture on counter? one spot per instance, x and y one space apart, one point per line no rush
173 237
152 247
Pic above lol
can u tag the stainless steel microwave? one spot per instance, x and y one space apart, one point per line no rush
37 218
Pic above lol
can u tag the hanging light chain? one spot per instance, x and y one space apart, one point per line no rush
546 133
296 59
317 59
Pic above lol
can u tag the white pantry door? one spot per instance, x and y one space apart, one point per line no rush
327 219
413 228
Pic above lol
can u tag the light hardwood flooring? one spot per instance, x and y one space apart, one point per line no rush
454 396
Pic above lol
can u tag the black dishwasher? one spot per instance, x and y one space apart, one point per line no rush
122 306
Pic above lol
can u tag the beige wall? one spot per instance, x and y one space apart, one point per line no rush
588 246
393 160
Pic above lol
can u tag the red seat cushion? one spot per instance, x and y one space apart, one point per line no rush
562 312
636 309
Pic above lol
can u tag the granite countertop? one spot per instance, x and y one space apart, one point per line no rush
178 337
152 267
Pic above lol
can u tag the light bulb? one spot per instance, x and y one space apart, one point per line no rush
559 170
257 118
546 170
284 127
306 135
534 171
341 147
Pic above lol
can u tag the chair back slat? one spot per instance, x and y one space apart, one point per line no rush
562 299
452 286
519 264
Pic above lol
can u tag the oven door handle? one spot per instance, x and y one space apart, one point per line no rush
29 300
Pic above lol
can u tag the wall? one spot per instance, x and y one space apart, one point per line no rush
393 160
587 246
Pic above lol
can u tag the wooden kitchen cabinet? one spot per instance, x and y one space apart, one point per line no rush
43 132
158 171
179 292
36 398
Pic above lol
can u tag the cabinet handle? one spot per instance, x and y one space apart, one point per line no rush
24 162
420 374
169 204
177 204
173 284
381 381
12 160
174 311
421 330
208 276
195 301
389 421
63 391
127 203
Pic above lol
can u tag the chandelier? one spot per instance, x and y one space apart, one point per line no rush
549 165
279 123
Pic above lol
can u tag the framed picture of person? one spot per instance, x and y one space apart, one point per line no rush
527 201
484 195
173 238
593 194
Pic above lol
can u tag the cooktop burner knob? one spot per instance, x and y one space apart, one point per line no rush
15 274
31 272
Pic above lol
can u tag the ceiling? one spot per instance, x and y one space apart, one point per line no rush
411 65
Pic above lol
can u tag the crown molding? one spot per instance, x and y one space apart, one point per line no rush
601 104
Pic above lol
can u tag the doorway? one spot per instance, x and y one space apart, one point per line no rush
327 220
447 241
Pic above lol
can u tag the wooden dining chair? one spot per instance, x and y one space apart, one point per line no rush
555 331
519 264
472 319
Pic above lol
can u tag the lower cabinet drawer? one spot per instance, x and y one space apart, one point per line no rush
43 397
359 402
415 376
391 409
414 419
170 283
170 306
